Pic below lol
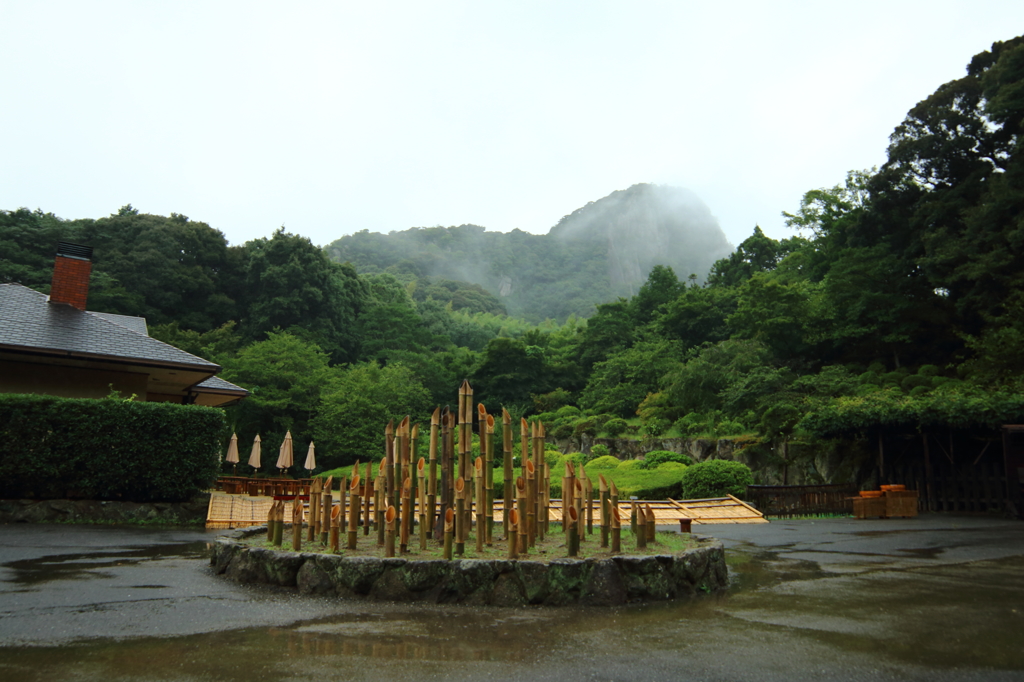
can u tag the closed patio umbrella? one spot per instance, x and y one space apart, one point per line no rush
310 458
232 455
286 457
254 458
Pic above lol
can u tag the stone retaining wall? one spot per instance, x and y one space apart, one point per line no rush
103 511
599 582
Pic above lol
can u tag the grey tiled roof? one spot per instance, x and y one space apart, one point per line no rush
29 321
218 384
136 324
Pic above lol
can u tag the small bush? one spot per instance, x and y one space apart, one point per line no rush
627 464
599 450
716 478
615 427
553 458
562 431
603 463
656 457
567 412
670 466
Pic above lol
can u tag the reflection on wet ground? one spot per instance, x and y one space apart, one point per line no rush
786 617
82 566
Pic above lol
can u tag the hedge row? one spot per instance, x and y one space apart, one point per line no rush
54 447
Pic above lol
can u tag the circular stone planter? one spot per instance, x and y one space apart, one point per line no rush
556 582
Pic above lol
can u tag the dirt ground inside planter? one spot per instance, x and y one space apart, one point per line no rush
551 547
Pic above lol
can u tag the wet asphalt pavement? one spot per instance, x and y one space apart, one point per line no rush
938 597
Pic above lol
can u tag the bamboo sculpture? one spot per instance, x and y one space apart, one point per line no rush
379 495
577 503
315 489
389 464
588 495
641 528
421 474
613 501
278 522
488 500
406 514
605 511
368 499
478 480
572 535
325 503
271 520
513 542
521 526
538 463
568 490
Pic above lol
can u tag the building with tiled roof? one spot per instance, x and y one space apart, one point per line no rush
53 345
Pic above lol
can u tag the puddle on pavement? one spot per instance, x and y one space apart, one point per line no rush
779 612
85 566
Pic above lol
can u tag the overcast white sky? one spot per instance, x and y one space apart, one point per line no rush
333 117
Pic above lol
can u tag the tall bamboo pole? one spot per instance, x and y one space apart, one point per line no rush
278 522
313 532
545 520
538 465
641 528
568 492
389 461
572 542
577 504
401 441
325 503
296 524
389 532
435 427
465 426
616 524
506 451
478 480
613 504
605 511
513 542
335 526
406 514
460 517
521 532
531 506
271 520
421 473
353 517
449 530
342 495
588 492
368 498
488 500
379 496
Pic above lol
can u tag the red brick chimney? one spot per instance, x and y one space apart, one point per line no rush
71 272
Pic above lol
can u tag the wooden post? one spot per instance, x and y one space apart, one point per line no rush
605 511
613 500
577 503
460 517
531 505
538 461
641 528
389 462
368 499
449 528
342 497
521 532
379 495
568 489
616 525
271 520
488 500
588 492
389 532
651 525
353 517
506 451
435 427
335 524
278 523
512 515
296 524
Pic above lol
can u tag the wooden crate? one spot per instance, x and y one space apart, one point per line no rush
868 507
900 502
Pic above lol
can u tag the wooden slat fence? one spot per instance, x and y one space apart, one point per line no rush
787 501
965 488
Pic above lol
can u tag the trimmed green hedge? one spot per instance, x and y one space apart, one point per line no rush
54 447
716 478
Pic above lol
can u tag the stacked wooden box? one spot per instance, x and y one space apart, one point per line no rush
891 501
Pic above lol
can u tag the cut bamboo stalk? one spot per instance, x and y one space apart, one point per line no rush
353 517
449 529
389 460
568 490
546 496
641 528
342 500
616 524
506 452
613 501
368 499
296 524
421 474
278 522
271 520
460 517
406 514
531 505
389 532
488 500
335 513
315 488
577 503
572 524
513 516
605 512
478 479
325 503
395 498
538 462
588 493
521 531
651 525
379 492
435 428
632 517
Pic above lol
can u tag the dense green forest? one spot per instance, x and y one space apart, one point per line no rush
898 303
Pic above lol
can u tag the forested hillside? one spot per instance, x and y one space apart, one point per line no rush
595 254
896 306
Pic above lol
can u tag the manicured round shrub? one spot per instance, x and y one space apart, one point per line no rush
552 458
562 431
716 478
567 412
599 450
627 464
615 427
654 458
603 463
671 466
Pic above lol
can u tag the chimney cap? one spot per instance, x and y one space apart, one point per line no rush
69 250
